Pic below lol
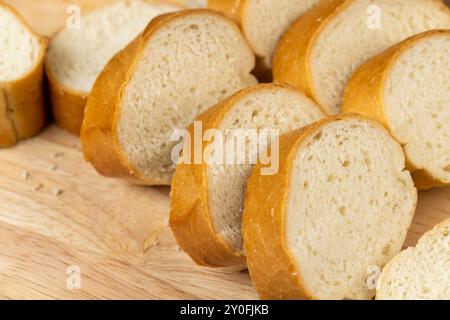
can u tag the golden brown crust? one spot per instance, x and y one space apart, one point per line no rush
190 217
22 106
67 105
99 129
291 62
231 8
364 95
272 267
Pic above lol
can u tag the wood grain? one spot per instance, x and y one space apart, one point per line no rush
56 211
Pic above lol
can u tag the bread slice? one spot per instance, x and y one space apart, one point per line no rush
207 199
407 89
22 109
420 273
341 204
76 56
182 64
322 49
263 22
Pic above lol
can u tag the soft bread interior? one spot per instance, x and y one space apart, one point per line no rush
267 108
350 205
417 97
420 273
77 56
265 22
188 66
19 48
347 41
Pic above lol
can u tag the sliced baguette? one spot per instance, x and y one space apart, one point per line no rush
406 88
263 22
77 56
420 273
207 199
22 108
182 64
322 49
341 203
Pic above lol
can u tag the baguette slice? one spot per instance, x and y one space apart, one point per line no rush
322 49
263 22
207 199
182 64
22 108
341 203
420 273
77 56
407 88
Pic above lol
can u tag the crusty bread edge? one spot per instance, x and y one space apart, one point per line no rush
390 264
190 214
25 96
99 129
291 63
272 267
365 95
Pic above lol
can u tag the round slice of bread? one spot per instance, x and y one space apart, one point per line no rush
322 49
78 53
207 198
420 273
22 108
407 88
181 65
341 204
263 22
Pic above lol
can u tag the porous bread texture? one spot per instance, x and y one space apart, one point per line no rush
267 107
343 34
19 48
406 89
77 56
417 97
350 205
342 204
22 108
264 22
183 63
420 273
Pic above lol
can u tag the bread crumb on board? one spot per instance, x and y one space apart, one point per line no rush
25 175
57 192
38 187
58 154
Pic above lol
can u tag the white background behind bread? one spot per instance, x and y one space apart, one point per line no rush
116 233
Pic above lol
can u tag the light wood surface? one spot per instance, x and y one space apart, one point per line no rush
55 212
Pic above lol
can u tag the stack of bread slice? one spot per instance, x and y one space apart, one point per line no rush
208 198
407 88
22 109
79 52
321 50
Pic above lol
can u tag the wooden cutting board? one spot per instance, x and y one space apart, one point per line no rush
56 212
